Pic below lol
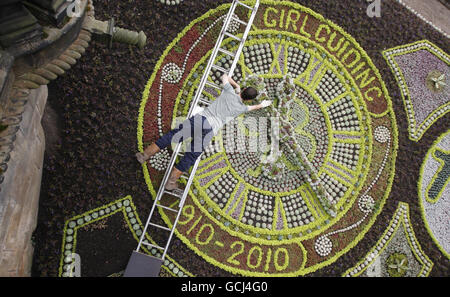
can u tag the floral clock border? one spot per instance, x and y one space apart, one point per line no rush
278 251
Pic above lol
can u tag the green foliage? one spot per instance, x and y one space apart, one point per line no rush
177 48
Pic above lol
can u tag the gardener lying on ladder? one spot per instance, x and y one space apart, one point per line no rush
203 126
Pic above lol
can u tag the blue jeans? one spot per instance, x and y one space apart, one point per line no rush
197 128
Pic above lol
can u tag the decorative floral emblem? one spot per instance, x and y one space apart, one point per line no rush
397 253
434 192
421 70
436 81
171 73
397 265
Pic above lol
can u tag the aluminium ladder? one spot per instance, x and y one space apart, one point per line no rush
142 264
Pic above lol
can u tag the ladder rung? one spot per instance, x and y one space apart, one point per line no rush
213 85
168 208
227 52
219 68
245 5
173 193
232 36
206 102
239 21
152 245
159 226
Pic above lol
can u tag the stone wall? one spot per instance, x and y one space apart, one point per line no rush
19 196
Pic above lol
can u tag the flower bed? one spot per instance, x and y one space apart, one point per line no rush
238 220
293 218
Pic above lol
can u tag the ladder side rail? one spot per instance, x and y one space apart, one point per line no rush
213 57
146 226
159 195
203 81
183 199
194 103
172 162
245 5
244 38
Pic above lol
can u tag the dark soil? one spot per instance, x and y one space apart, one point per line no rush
90 159
109 246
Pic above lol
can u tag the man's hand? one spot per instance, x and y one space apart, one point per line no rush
227 79
266 103
263 104
224 79
238 90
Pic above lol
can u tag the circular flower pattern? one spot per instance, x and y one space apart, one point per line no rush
382 134
323 246
253 200
366 204
172 73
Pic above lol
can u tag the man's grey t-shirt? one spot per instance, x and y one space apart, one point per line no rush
224 109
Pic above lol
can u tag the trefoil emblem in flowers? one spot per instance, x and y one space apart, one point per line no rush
436 81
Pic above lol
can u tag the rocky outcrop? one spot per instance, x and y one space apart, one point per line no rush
21 184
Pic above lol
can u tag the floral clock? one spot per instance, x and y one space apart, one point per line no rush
240 217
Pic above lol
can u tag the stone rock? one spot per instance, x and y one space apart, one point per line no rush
19 195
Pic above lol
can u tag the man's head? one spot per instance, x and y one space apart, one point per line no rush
249 93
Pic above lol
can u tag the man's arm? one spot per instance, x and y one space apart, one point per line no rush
263 104
228 79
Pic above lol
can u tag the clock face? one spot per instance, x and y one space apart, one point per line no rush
237 216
